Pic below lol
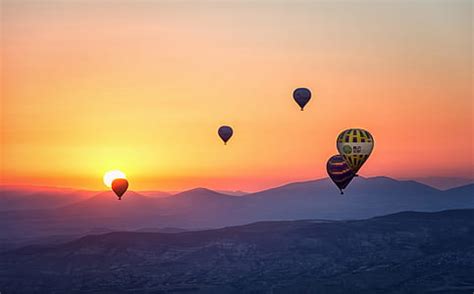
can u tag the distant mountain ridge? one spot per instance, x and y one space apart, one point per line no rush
444 183
204 208
31 197
14 197
407 252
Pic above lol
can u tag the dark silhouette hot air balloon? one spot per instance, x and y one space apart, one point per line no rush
225 132
119 186
302 96
339 172
355 146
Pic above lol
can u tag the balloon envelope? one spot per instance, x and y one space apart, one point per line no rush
119 186
302 96
339 171
225 132
355 145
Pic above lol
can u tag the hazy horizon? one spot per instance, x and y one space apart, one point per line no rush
440 183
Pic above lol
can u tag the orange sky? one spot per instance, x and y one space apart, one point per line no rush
89 86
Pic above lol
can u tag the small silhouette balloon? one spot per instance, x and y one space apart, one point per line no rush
225 132
120 186
355 145
302 96
339 172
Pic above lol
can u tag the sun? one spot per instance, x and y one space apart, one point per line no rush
110 176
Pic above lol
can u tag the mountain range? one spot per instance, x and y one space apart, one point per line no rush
25 218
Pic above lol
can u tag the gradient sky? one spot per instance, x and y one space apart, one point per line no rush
142 86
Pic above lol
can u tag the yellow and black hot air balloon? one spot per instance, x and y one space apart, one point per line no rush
355 146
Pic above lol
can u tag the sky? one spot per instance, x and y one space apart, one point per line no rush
142 86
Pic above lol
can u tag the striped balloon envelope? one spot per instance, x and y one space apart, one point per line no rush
355 145
339 172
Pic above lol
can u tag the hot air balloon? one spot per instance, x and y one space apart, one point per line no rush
339 172
355 145
302 96
120 186
225 132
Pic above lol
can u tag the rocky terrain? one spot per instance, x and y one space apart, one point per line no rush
408 252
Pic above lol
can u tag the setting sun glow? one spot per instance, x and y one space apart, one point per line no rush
110 176
92 86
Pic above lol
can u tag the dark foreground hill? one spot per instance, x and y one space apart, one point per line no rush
407 252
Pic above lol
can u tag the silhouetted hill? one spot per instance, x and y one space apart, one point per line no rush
204 208
155 194
366 197
408 252
201 194
444 183
467 191
106 204
233 193
202 199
